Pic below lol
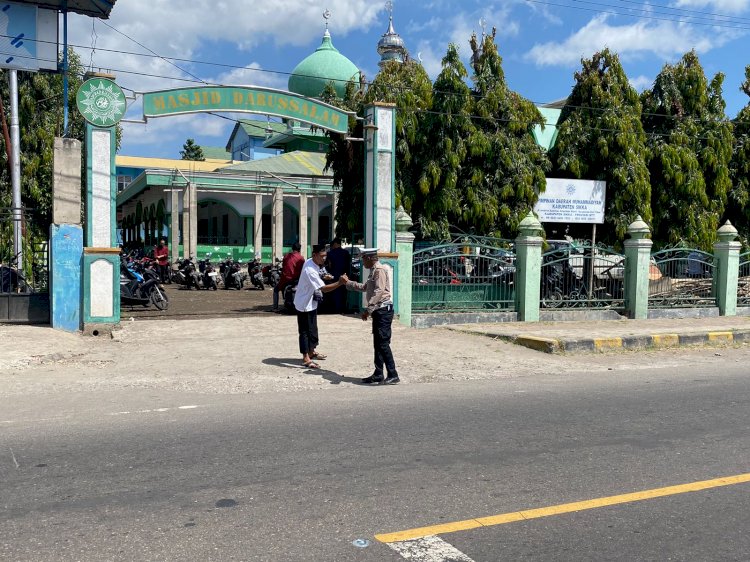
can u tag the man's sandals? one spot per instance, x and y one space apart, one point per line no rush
312 364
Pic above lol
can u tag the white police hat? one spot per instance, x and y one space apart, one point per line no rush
369 252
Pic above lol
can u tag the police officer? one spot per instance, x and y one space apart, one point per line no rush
377 291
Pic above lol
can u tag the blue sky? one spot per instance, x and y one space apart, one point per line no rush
259 43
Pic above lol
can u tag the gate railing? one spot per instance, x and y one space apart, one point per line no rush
464 275
34 278
576 277
743 281
684 278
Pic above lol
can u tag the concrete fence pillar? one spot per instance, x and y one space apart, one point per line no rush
637 269
405 251
727 263
528 268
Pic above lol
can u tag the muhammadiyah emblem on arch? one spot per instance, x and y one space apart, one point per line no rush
101 102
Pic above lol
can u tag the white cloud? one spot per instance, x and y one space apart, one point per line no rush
641 82
663 39
252 75
243 23
719 6
431 61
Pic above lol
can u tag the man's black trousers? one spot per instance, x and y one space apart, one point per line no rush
381 339
307 326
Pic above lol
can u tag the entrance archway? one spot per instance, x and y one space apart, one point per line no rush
101 289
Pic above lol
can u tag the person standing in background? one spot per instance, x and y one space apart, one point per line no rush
291 267
161 255
338 264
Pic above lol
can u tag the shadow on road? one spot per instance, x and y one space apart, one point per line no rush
295 363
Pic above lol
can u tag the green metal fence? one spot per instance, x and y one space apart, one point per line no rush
683 277
582 276
464 275
743 281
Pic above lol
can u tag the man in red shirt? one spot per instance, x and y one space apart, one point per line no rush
291 268
161 255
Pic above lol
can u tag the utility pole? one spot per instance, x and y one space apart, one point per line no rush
15 170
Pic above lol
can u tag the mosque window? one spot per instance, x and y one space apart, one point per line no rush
123 182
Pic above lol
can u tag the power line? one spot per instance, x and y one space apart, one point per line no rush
643 15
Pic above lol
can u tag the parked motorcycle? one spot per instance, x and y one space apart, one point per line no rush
136 290
255 272
272 273
232 274
190 274
208 273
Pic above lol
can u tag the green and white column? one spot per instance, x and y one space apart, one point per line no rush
380 192
102 104
528 268
637 269
727 261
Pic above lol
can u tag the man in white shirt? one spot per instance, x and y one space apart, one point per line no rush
306 303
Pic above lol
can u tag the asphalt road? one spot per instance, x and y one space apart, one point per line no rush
164 475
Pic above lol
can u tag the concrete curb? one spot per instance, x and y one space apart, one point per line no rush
652 341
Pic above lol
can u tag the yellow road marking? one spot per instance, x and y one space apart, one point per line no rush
511 517
720 336
666 340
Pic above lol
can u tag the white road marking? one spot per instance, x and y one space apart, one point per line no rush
14 458
156 410
429 549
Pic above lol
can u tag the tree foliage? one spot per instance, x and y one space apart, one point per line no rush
738 210
505 167
436 199
601 138
192 151
40 115
690 148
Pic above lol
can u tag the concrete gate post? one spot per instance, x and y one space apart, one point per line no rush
405 251
102 104
727 261
637 269
66 237
528 268
380 193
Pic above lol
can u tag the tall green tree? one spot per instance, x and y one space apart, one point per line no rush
738 210
40 115
601 137
192 151
690 145
505 169
437 201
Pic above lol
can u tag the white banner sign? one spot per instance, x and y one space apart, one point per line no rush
572 201
28 37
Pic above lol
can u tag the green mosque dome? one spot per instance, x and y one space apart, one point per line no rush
325 65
